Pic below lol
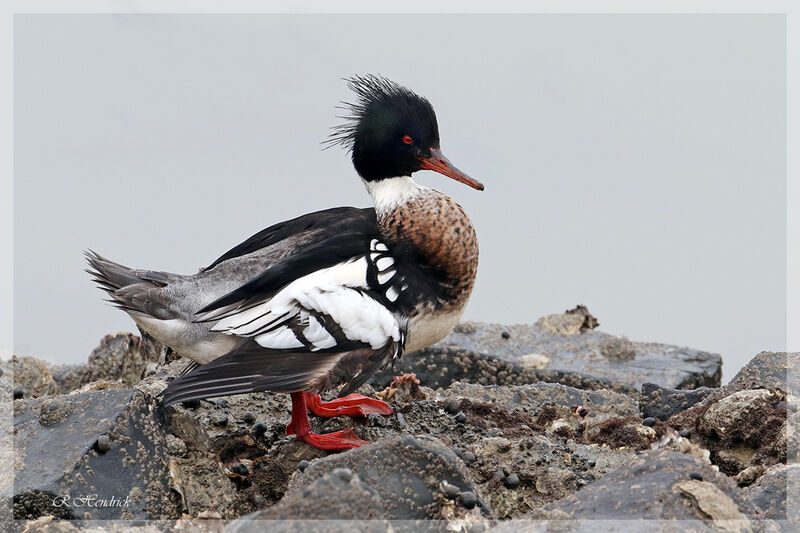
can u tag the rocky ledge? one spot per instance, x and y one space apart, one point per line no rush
497 428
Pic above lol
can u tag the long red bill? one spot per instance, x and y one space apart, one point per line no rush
439 163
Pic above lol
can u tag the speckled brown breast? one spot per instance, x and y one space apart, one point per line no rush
442 237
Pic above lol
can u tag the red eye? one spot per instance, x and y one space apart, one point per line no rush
407 139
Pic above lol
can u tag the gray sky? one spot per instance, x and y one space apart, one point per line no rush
632 163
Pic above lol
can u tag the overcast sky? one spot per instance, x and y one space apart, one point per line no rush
635 164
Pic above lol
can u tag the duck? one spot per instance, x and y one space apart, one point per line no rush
325 300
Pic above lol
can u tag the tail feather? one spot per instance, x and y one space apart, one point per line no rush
133 291
109 275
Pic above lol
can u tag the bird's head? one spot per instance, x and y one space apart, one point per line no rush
392 132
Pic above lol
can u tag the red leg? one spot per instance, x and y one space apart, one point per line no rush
301 426
352 405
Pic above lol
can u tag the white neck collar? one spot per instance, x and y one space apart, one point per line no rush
390 193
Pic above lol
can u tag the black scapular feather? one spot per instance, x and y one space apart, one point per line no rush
328 221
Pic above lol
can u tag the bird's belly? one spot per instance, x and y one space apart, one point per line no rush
190 340
424 330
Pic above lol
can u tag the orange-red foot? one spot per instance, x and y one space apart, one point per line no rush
351 405
301 426
338 440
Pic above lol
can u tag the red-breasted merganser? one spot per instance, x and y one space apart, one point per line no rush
328 298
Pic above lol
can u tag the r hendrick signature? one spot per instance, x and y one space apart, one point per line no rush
90 500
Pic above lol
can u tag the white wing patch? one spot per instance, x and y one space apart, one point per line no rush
332 292
384 265
282 338
318 335
383 277
392 294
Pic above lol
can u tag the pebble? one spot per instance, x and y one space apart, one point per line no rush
499 475
223 403
345 474
249 417
259 500
451 491
505 334
103 443
239 468
149 370
260 428
511 481
220 420
452 406
468 457
649 421
467 499
685 433
461 417
18 393
302 465
401 419
592 464
696 475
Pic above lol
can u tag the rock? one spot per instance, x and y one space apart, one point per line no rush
218 462
54 410
467 499
533 361
58 467
407 473
712 502
478 353
571 322
744 429
656 485
103 443
561 324
452 406
541 468
768 370
32 377
122 358
335 495
661 403
774 491
511 481
503 446
627 432
506 427
618 348
47 524
600 404
727 415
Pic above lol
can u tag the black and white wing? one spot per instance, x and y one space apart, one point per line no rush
335 324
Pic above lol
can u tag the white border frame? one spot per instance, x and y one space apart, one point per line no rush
790 8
